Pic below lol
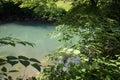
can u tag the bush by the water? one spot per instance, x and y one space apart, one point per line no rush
11 10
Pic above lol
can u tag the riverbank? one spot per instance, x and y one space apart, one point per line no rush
26 19
17 11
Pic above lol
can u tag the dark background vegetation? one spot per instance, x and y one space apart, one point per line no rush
38 10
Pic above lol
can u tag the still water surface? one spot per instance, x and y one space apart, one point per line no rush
32 32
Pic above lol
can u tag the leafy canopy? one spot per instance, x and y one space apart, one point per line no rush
92 27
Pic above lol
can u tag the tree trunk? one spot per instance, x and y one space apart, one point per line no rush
93 2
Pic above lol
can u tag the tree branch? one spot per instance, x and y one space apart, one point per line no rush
94 2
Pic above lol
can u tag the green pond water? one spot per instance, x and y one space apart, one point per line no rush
32 32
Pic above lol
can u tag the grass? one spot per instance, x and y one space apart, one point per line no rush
65 5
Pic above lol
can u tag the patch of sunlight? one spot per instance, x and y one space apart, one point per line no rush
65 5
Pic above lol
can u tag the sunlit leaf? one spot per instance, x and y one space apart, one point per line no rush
76 52
47 69
118 63
83 70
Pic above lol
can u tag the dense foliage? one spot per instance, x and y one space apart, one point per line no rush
90 31
30 10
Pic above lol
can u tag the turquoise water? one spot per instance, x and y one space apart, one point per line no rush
31 32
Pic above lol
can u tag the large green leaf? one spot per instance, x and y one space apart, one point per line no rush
25 62
23 58
12 62
11 58
34 60
36 66
4 69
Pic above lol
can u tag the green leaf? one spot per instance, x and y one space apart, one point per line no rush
23 58
30 44
10 78
73 77
34 60
11 57
33 78
12 62
36 66
4 74
25 62
3 42
83 70
13 71
47 69
118 63
22 43
4 69
2 61
6 79
12 44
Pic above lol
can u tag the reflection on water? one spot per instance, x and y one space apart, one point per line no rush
32 32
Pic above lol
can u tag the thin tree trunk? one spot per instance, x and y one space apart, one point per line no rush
94 2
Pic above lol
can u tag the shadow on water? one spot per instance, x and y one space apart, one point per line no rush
30 23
